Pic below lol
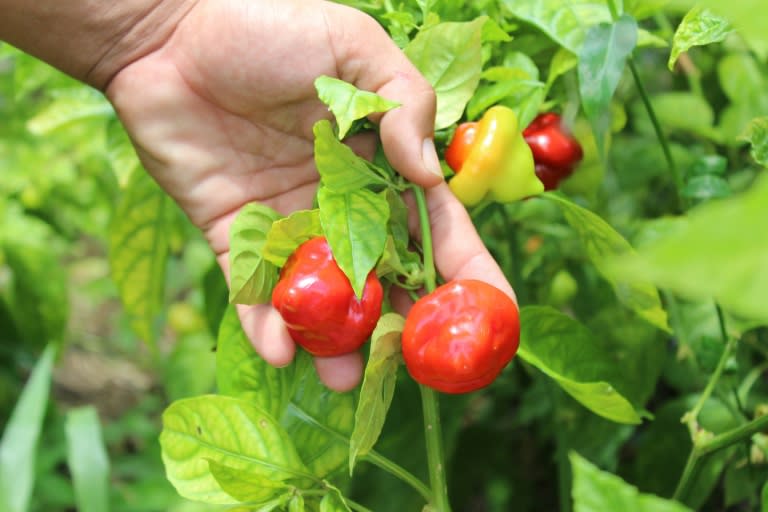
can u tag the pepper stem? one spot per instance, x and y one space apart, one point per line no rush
433 432
430 278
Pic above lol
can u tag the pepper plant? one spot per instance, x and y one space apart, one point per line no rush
612 156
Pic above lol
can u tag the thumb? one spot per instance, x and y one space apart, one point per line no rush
367 57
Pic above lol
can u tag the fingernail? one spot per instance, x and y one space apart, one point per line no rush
429 157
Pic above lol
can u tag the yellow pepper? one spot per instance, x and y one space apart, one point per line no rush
492 160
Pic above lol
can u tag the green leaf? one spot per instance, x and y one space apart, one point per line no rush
742 80
296 504
34 287
355 224
348 103
699 27
757 136
240 372
138 251
251 277
603 244
562 62
706 165
746 18
87 460
646 39
341 170
245 485
318 420
400 265
378 386
449 56
228 431
398 217
640 9
567 23
564 23
18 446
523 96
718 235
190 368
601 63
334 501
678 111
70 106
598 491
704 188
568 352
516 85
287 234
122 156
493 32
744 83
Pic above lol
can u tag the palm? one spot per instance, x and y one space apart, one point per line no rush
226 117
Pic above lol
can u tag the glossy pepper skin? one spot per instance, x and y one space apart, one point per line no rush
491 160
458 338
318 305
461 143
555 151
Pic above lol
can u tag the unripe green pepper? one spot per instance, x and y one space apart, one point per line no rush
498 163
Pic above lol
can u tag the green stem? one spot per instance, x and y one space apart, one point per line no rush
686 479
430 278
713 445
562 446
733 436
657 128
433 434
516 267
357 507
702 448
691 417
435 454
387 465
373 457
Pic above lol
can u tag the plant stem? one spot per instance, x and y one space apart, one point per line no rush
373 457
426 239
357 507
702 448
657 128
435 455
614 11
691 417
686 479
564 476
389 466
733 436
516 267
713 445
433 433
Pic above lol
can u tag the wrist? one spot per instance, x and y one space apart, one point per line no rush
90 40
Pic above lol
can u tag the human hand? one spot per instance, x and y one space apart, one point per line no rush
221 115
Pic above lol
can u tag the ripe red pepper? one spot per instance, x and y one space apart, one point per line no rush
318 305
459 338
555 151
551 176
